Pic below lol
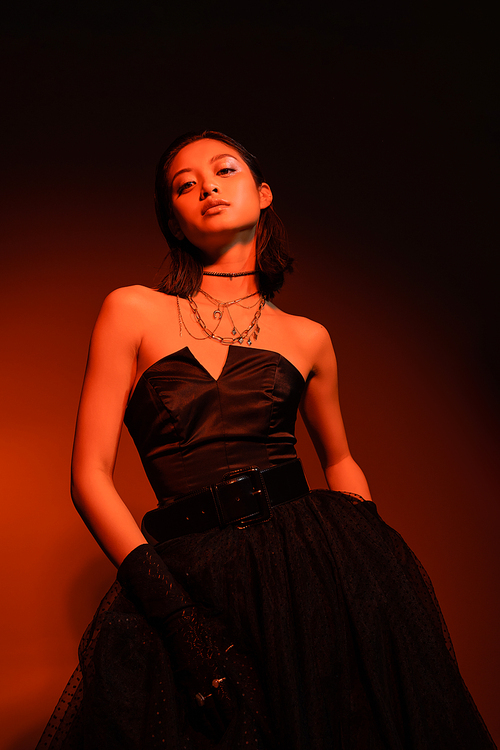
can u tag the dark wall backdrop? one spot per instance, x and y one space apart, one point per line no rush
376 127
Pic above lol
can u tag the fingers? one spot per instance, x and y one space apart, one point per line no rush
200 699
218 682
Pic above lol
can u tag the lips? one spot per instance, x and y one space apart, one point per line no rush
212 203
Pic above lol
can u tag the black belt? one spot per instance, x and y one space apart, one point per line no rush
243 498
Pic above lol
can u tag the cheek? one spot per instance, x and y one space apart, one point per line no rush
180 219
189 230
185 215
249 199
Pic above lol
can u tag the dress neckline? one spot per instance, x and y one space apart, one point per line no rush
202 367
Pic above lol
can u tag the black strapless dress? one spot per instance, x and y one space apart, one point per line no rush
349 648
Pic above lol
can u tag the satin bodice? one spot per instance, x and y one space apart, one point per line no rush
190 428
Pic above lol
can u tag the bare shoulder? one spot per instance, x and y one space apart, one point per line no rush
132 298
309 332
303 341
135 303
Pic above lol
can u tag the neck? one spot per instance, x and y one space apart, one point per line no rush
235 260
226 288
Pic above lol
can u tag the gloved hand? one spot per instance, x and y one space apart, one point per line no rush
196 660
197 663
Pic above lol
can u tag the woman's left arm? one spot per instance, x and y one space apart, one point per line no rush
320 409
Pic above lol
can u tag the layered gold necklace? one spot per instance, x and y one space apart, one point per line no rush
221 308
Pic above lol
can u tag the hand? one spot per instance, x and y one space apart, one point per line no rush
197 665
196 659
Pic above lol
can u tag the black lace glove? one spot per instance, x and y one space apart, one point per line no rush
196 660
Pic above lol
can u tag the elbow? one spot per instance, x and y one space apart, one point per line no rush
340 460
86 484
75 492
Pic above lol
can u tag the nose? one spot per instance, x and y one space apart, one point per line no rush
206 188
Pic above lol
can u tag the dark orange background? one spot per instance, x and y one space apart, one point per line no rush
376 134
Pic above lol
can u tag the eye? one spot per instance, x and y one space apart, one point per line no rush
226 170
184 186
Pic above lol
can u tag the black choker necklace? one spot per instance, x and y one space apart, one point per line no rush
229 275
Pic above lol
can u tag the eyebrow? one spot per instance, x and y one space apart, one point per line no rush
212 160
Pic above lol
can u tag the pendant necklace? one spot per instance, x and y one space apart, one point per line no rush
221 307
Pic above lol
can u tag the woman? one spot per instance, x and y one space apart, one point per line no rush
248 611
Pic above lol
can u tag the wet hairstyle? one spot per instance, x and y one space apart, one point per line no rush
185 272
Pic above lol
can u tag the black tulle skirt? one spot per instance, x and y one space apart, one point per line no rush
339 645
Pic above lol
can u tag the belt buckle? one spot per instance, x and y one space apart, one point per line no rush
258 491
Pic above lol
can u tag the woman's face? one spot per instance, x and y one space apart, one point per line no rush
214 197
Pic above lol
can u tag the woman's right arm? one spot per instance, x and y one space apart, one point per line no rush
144 577
109 377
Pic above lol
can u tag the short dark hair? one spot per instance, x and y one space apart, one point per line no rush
184 276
